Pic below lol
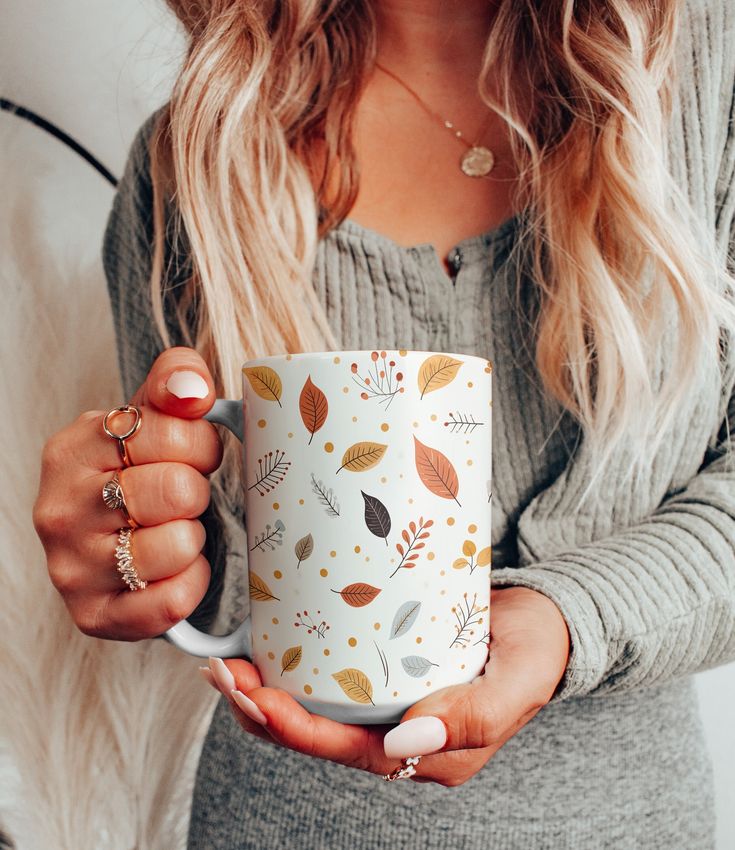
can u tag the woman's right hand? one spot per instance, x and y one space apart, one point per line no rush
165 491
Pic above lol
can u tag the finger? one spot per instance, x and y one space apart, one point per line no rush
158 552
160 437
294 727
179 383
482 713
224 681
154 493
146 613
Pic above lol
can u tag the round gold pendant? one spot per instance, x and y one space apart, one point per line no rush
477 162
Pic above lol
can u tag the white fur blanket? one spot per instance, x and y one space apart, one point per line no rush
99 739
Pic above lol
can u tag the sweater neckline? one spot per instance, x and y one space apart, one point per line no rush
469 244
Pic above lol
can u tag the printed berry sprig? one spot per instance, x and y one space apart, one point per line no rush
310 626
381 382
467 616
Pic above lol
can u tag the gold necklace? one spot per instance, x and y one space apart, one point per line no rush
478 161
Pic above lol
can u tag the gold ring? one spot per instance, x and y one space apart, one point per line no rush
121 438
124 558
114 498
405 770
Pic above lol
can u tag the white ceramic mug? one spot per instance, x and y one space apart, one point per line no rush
368 513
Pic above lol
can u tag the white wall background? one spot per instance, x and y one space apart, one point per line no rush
97 70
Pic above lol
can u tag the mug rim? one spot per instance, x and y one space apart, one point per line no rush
361 352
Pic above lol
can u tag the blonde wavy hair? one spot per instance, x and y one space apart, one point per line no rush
262 113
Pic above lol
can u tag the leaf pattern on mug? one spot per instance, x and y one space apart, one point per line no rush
313 407
325 495
265 382
304 548
362 456
291 659
417 666
359 594
377 518
436 472
405 617
355 684
272 469
414 541
259 590
437 371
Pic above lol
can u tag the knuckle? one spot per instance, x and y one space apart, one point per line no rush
177 604
64 575
54 452
179 490
479 724
175 437
188 539
51 519
91 620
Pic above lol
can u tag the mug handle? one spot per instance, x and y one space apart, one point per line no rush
183 635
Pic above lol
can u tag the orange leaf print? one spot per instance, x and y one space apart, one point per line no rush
436 472
359 594
313 407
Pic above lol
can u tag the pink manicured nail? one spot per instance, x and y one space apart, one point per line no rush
185 384
249 707
222 676
416 737
208 677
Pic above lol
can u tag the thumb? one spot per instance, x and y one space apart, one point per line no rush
179 383
478 714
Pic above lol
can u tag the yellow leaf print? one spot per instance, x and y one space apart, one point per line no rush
469 548
355 684
265 382
259 590
485 557
460 564
291 659
437 371
362 456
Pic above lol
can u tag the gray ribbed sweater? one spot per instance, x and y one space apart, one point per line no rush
645 576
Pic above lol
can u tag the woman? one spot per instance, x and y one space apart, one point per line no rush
323 199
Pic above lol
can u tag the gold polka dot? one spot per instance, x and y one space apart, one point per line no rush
469 462
428 684
307 689
450 520
462 667
301 501
352 641
265 637
376 626
385 426
488 368
442 572
333 554
345 390
277 574
323 573
290 434
357 549
336 359
470 384
472 528
419 639
410 501
415 424
271 655
275 621
262 423
430 556
289 356
276 506
383 479
367 557
433 417
326 652
402 352
441 593
315 671
328 447
395 693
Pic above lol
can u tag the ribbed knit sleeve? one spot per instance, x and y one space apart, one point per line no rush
656 600
127 250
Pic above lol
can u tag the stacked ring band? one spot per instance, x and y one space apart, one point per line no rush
405 770
114 498
124 558
126 435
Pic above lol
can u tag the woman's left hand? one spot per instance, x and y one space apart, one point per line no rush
529 649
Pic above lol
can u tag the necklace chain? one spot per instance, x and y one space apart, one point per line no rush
478 161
